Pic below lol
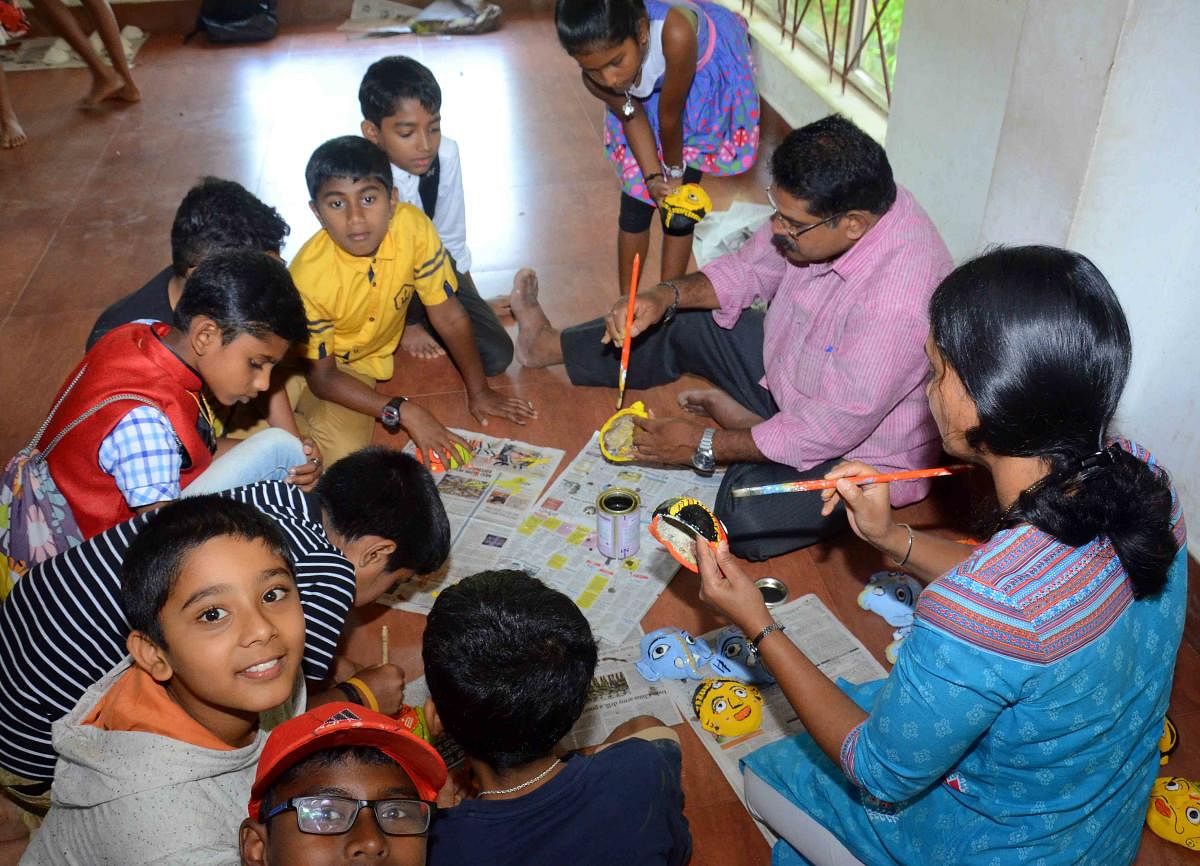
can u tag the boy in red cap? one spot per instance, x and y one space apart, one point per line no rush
318 775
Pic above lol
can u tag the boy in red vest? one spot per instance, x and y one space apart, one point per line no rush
144 390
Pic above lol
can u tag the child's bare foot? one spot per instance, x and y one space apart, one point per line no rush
719 406
11 133
418 342
128 93
104 86
537 340
501 305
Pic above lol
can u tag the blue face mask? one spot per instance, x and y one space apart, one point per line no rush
672 654
733 659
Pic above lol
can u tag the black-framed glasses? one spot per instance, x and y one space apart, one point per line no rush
794 228
332 816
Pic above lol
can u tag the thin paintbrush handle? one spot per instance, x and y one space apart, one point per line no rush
830 483
628 343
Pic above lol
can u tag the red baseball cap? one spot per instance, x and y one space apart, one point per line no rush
339 724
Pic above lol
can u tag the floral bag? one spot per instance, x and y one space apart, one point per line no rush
36 522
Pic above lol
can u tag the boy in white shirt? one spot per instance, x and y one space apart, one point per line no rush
401 105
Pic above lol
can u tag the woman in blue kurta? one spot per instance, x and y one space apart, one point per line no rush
1020 722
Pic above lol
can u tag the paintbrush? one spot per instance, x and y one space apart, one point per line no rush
625 347
383 646
831 483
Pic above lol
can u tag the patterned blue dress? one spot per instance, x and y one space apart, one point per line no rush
1020 723
721 116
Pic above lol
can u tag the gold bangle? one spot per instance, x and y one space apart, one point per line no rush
907 553
365 690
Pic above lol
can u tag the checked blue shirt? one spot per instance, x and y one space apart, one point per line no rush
142 455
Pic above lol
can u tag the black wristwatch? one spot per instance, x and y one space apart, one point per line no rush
390 414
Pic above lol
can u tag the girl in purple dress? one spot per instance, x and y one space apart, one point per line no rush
679 85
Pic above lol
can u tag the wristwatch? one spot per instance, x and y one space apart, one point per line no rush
390 414
703 460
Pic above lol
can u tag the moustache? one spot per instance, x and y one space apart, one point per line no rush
784 244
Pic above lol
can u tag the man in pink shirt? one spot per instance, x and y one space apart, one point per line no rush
833 370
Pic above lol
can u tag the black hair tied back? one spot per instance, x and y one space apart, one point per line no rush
1042 346
1111 493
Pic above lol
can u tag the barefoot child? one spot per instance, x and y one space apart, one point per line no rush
341 784
357 276
678 81
157 759
401 106
108 82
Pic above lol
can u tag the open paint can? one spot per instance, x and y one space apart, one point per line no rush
618 523
774 592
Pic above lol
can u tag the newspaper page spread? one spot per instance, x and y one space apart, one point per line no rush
617 694
556 542
485 501
828 644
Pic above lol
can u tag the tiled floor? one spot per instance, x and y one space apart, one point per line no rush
85 210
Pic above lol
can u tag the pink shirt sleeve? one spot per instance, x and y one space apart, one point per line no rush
753 271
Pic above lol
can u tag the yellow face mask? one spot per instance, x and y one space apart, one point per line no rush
685 207
728 708
1174 811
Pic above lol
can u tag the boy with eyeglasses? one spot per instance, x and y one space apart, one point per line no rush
321 772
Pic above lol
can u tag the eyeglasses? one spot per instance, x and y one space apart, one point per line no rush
332 816
792 228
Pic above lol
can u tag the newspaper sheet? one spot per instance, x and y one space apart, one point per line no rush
617 694
556 542
485 501
827 643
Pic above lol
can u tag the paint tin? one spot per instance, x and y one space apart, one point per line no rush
774 592
618 523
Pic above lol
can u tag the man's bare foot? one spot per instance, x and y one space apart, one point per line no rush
537 340
719 406
11 133
501 305
418 342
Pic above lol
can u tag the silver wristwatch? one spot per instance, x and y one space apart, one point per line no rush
703 460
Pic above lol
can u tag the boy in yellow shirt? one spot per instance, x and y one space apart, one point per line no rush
356 277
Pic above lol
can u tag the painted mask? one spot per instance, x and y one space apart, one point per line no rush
616 436
733 660
891 595
672 654
728 708
679 524
685 207
1174 811
1168 742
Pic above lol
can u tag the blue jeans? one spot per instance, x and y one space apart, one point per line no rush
265 456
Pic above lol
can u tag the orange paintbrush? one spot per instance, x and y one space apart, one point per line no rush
633 284
830 483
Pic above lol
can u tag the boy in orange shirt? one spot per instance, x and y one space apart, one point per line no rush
157 759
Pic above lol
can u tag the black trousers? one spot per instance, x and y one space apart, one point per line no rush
761 526
494 344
